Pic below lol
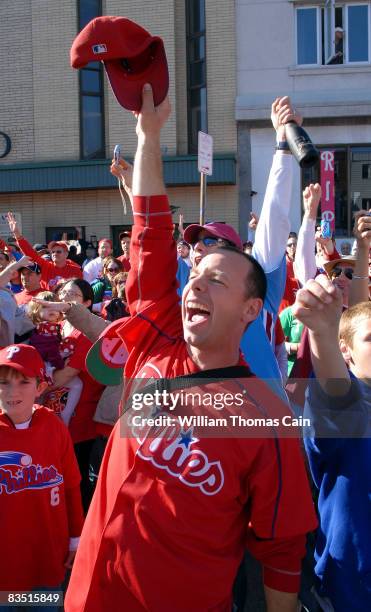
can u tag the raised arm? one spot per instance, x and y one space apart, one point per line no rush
305 260
6 274
274 224
24 245
359 289
152 278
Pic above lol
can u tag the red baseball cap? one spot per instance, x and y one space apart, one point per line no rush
23 358
131 57
217 229
59 243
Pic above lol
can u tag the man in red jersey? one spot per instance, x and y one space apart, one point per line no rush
30 279
51 271
171 516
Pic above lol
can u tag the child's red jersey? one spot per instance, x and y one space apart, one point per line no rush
39 478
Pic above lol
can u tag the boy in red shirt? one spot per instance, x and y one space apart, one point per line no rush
40 497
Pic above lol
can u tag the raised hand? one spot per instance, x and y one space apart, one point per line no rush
318 305
151 118
311 200
254 220
124 172
282 111
13 225
181 224
362 228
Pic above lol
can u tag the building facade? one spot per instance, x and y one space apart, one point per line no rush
319 53
58 126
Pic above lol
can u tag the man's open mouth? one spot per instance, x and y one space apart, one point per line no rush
196 312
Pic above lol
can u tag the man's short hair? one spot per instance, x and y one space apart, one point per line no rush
256 280
349 321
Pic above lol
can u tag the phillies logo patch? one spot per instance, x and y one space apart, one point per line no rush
18 473
11 351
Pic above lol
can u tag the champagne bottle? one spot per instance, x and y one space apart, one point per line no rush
301 146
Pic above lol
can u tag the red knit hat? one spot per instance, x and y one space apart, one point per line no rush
131 57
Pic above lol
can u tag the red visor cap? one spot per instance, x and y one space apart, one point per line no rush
131 57
219 230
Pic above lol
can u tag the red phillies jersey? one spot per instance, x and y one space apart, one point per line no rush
50 273
39 480
171 516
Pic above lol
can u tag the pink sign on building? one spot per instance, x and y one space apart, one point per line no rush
327 166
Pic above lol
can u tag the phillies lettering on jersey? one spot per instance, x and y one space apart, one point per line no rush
22 474
169 448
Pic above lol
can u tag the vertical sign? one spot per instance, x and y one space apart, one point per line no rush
205 153
205 167
327 165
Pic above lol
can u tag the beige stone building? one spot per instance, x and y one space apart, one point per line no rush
58 126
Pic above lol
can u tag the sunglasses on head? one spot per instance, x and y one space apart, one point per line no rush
210 241
336 272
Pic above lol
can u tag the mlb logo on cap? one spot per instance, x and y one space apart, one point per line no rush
131 58
99 49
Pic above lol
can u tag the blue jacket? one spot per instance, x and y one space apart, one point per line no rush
338 446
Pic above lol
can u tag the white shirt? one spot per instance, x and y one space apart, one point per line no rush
93 269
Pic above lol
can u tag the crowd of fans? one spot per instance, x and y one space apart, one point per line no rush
57 300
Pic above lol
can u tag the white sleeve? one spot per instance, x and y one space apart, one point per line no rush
281 356
87 272
305 260
274 223
92 270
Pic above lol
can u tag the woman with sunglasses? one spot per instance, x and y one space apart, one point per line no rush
117 307
102 287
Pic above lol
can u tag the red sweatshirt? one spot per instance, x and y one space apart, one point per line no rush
50 273
171 517
40 501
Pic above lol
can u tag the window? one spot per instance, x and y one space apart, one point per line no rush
333 33
63 232
357 27
352 184
196 71
91 93
307 35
